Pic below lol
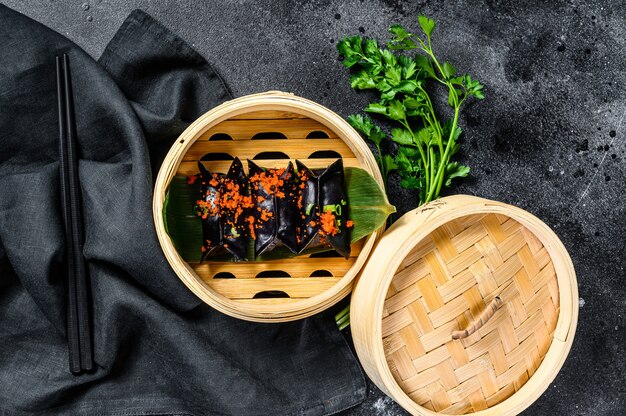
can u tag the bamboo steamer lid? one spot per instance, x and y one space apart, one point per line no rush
447 268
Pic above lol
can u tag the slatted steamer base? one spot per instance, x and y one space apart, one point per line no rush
444 283
272 139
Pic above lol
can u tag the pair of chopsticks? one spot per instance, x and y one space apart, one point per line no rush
78 320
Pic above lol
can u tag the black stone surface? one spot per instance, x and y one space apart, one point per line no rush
548 138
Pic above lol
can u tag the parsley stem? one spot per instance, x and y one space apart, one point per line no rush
425 159
433 120
429 52
342 319
432 170
434 192
382 164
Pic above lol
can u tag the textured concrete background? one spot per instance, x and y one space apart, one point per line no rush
548 138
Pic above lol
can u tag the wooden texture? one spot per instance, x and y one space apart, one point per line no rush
249 127
249 149
497 349
189 168
438 270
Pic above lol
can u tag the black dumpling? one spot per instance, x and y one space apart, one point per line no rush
308 210
332 192
280 228
233 224
264 230
287 210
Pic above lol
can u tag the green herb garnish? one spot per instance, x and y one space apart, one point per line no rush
336 208
425 143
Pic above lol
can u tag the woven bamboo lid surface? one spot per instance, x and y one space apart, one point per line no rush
272 128
492 275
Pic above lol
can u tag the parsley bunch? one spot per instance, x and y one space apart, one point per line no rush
425 144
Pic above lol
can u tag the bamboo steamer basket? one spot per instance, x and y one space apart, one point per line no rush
274 127
439 269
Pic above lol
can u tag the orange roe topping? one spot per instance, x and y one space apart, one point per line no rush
266 215
250 221
206 208
228 200
327 222
232 200
349 223
271 181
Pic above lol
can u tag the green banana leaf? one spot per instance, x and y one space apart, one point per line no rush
368 208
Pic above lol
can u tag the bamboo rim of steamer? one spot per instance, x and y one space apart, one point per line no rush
272 100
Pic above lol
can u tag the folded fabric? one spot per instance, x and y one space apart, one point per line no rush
156 348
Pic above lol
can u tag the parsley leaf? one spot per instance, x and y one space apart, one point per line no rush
402 136
427 25
454 170
395 110
377 108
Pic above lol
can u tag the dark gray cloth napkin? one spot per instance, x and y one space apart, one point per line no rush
158 350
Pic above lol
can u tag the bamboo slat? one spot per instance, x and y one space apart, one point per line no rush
295 267
221 166
245 128
494 276
249 149
285 124
295 288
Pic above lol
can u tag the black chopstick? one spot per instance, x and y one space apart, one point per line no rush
72 318
78 324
